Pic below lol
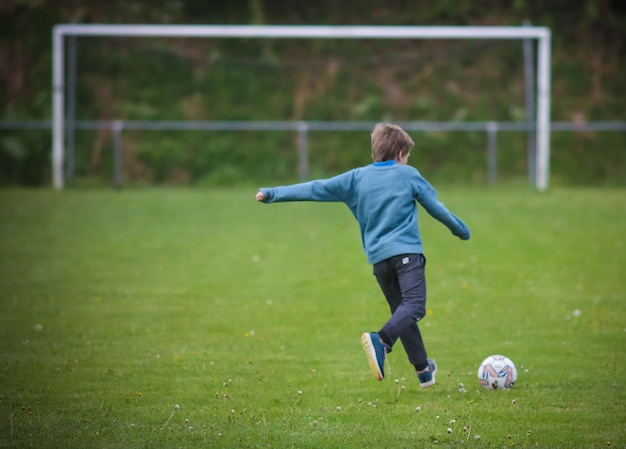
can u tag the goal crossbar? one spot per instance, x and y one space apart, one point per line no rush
541 34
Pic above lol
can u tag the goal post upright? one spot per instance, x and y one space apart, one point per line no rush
542 34
58 97
542 169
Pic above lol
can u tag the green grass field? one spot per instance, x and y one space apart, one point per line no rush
202 319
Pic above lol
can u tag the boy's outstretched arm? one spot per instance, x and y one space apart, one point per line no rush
335 189
427 197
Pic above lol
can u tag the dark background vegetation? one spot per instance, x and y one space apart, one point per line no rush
247 79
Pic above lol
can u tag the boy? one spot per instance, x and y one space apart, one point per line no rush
382 197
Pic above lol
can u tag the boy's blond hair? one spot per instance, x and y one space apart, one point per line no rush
390 141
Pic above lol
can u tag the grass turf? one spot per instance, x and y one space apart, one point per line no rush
200 318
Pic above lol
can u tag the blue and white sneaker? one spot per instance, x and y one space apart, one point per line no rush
376 352
427 377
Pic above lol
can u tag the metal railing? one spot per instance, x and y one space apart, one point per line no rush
491 128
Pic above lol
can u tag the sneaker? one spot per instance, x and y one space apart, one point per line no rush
376 352
427 378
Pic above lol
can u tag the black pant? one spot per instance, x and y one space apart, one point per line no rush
402 280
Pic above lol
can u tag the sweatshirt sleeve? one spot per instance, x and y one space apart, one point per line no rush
336 189
427 197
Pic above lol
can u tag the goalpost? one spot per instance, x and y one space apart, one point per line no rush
541 34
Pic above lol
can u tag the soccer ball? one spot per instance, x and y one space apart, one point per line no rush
497 371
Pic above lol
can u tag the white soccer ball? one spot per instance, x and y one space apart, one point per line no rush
496 372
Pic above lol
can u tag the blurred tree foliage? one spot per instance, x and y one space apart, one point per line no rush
275 79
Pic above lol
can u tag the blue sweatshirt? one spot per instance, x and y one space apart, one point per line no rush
382 197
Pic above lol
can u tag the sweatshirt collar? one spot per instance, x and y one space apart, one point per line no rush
384 163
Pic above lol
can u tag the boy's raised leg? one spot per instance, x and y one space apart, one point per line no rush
376 352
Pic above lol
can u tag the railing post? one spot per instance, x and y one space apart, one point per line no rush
492 152
118 126
303 151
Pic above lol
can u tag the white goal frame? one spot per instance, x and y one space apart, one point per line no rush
541 34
